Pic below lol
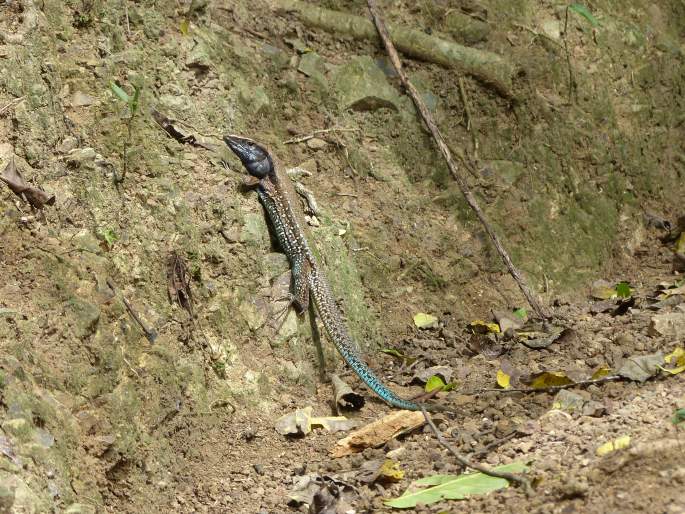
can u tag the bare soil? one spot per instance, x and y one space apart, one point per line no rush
97 418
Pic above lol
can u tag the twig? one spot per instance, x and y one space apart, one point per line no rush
497 442
123 356
168 126
128 22
550 389
203 134
150 334
469 118
470 199
351 195
12 103
467 106
486 470
302 139
539 34
571 82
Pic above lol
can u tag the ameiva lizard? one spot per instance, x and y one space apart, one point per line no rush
308 280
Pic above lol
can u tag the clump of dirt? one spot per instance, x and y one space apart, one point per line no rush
97 415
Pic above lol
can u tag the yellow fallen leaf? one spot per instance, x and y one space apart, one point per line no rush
483 327
680 243
548 379
423 320
600 372
503 380
603 290
616 444
185 27
390 470
677 358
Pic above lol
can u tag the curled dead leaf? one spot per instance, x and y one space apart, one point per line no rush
34 196
178 282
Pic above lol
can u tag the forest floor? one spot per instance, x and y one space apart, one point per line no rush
579 165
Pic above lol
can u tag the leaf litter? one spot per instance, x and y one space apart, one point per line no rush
34 196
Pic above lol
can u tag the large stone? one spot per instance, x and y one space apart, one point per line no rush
19 496
253 98
86 316
79 508
312 65
361 85
669 324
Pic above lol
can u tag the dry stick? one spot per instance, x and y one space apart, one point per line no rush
469 119
571 82
150 334
316 133
550 389
486 470
12 103
428 119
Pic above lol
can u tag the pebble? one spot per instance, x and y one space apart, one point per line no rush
316 143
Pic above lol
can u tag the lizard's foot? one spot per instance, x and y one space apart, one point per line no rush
277 319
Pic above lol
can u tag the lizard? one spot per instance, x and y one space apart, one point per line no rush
308 279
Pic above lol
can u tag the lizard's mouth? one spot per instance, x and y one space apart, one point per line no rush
245 149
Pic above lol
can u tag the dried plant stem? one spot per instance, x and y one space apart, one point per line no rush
461 182
486 470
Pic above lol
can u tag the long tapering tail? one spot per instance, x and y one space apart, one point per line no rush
337 331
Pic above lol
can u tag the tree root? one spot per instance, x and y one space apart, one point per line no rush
487 67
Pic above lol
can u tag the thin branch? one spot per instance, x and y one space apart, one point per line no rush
12 103
550 389
150 334
486 470
302 139
470 199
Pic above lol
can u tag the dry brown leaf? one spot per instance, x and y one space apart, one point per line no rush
178 282
345 397
36 197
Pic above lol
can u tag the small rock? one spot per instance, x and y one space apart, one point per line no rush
67 145
81 99
316 144
312 65
81 157
362 85
574 488
16 426
198 57
86 316
15 492
79 508
671 324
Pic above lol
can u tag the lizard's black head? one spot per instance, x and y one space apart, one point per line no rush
254 157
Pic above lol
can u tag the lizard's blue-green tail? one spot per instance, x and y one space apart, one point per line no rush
332 322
